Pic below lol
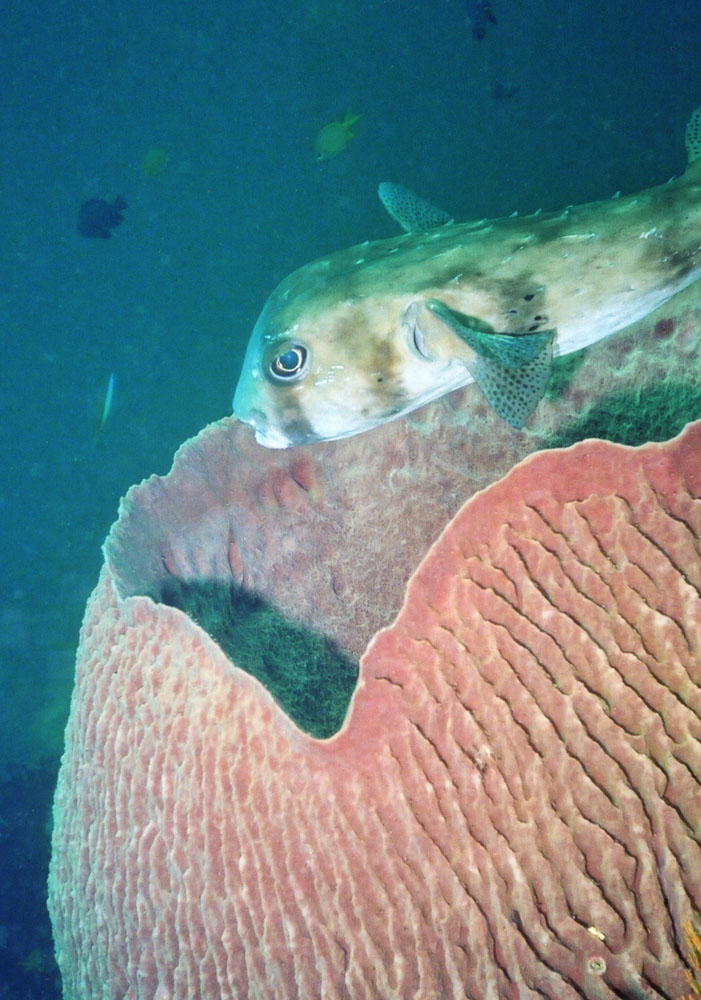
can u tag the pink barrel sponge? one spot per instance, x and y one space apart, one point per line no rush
512 808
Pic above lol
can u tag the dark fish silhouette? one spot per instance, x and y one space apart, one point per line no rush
480 13
97 217
503 91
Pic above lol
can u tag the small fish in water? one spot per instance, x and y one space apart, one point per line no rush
333 138
96 217
480 14
503 91
368 334
106 407
154 162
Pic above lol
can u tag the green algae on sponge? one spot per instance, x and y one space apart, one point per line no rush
563 371
309 677
633 417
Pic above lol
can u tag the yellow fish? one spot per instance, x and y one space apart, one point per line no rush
155 161
333 138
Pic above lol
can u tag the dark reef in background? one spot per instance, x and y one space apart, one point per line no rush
26 944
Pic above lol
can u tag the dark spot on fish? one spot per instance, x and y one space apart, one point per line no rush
529 296
96 217
296 426
664 328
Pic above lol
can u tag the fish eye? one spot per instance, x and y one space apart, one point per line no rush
290 364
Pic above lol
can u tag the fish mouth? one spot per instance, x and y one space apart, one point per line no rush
270 438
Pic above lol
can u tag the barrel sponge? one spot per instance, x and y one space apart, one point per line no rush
512 808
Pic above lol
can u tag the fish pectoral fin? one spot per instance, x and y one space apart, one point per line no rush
512 370
414 214
514 393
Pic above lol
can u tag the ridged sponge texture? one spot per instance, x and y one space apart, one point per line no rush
512 809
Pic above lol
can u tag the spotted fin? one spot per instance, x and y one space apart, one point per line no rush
693 137
512 370
414 214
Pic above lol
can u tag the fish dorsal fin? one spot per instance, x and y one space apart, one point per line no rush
693 137
512 370
414 214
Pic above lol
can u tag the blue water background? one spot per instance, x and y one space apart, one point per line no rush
235 94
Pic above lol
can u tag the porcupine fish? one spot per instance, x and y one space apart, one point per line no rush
368 334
